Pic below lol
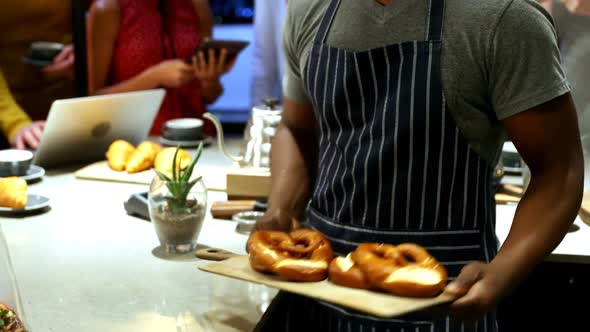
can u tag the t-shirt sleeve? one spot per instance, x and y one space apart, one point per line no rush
524 60
293 87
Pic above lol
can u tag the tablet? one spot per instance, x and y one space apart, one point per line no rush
233 47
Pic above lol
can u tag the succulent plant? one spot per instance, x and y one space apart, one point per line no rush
179 183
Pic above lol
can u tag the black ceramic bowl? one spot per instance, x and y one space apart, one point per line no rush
184 129
44 51
15 162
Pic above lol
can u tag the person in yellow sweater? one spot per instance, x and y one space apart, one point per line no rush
15 124
26 91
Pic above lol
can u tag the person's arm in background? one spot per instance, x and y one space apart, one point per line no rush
15 124
63 64
102 31
532 100
265 79
209 71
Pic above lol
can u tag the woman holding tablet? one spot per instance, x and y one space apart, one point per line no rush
143 44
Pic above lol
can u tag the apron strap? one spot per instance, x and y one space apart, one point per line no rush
327 20
434 21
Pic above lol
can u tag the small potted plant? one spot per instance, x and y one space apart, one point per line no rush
177 205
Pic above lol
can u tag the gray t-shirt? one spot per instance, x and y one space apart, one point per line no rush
499 57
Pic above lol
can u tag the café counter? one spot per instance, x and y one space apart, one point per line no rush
85 265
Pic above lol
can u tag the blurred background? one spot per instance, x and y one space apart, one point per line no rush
234 20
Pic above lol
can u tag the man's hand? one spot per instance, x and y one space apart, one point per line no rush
477 290
63 64
29 136
277 220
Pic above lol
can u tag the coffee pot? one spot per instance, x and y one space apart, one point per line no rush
258 135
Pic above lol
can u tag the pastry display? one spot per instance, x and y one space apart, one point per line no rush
142 157
118 154
123 156
13 192
302 255
163 162
404 270
9 321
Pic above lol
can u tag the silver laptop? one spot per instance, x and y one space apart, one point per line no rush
80 130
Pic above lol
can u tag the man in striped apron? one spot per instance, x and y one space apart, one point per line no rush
392 167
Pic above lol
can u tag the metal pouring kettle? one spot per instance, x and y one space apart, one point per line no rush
260 130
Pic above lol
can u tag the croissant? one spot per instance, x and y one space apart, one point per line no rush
163 162
143 157
13 192
118 153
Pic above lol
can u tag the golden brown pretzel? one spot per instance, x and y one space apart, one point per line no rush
302 255
423 276
344 272
406 270
262 247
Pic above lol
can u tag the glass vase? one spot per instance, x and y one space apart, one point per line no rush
177 222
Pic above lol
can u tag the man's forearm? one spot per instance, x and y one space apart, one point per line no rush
542 219
293 166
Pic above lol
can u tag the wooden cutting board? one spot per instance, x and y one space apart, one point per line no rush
214 177
377 304
585 209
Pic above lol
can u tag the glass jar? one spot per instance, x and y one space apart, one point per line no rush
177 222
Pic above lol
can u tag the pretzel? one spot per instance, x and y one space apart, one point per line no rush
302 255
405 270
343 271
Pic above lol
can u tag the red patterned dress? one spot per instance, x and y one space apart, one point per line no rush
148 35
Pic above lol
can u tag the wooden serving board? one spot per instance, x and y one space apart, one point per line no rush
373 303
214 177
585 209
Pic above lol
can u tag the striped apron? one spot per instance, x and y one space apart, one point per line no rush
393 168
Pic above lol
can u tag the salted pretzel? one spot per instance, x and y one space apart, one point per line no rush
405 270
302 255
344 272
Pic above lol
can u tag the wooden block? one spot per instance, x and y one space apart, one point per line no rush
246 183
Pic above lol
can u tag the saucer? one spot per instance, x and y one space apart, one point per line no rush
36 62
34 203
186 144
33 173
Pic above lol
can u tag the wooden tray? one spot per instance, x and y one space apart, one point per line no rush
373 303
214 177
